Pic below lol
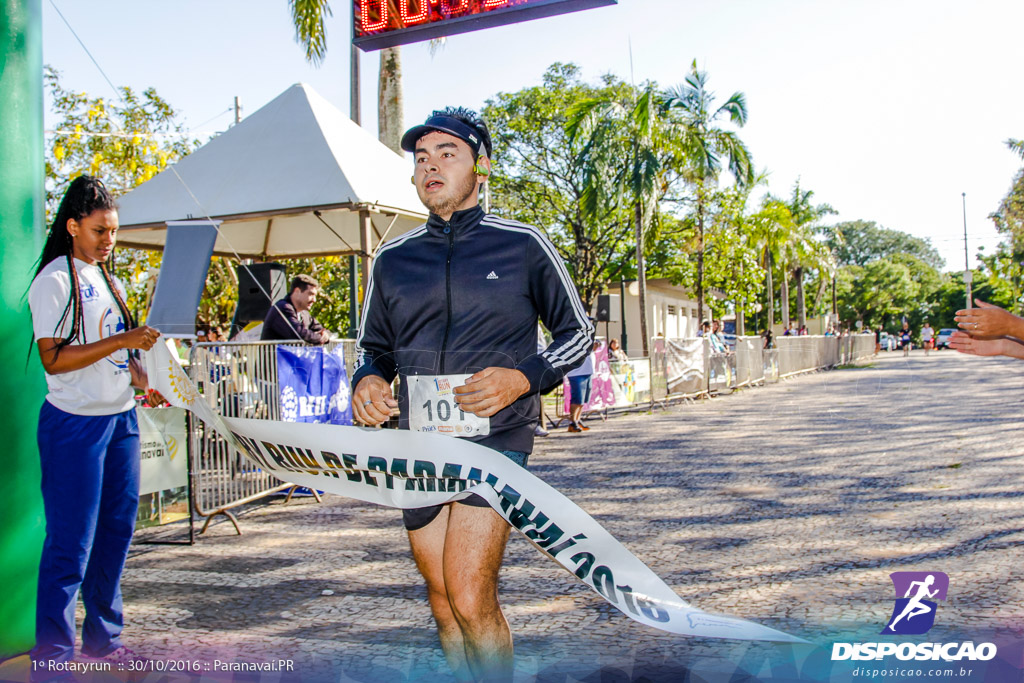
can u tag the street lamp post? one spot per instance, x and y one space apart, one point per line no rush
968 277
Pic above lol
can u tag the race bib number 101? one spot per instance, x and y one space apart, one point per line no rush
432 407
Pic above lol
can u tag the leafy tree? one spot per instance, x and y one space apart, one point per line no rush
700 147
732 253
857 242
951 294
546 177
1008 262
875 292
124 142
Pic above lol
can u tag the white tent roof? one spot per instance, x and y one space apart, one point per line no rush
277 180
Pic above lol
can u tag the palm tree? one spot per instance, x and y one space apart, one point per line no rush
806 251
701 146
308 18
1016 146
602 126
772 230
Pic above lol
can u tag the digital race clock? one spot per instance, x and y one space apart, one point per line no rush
386 23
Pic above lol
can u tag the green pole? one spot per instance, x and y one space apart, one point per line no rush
23 388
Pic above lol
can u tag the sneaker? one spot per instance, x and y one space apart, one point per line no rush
539 431
583 428
573 428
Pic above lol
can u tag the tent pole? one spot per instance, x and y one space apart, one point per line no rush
354 114
366 260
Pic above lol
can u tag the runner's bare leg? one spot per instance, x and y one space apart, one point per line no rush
428 552
473 541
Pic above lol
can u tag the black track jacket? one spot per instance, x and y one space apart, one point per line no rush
458 296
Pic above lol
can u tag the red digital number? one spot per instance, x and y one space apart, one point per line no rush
376 16
459 6
408 18
382 14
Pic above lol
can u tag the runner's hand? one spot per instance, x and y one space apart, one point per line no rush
491 390
372 401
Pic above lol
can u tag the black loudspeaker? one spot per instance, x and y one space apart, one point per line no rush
607 308
259 286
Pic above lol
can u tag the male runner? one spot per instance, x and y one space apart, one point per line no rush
461 296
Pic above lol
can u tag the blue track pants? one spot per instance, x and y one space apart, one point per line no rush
90 467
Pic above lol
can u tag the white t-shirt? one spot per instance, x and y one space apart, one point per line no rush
103 388
927 333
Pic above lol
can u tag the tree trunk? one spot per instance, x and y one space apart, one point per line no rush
700 257
740 322
390 105
771 289
835 309
801 306
784 298
641 278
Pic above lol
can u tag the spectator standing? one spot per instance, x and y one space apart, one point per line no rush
290 319
579 391
615 352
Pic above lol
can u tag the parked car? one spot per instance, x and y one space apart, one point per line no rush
942 338
887 342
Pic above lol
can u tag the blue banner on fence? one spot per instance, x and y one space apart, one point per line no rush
313 385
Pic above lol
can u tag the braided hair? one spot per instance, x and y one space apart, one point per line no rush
84 195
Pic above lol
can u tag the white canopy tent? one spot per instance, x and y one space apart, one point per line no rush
295 179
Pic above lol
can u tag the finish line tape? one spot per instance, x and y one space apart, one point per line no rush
404 469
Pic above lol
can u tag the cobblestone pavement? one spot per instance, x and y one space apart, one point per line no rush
787 504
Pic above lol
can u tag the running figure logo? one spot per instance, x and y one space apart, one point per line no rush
914 613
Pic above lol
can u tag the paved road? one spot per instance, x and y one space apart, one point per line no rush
787 504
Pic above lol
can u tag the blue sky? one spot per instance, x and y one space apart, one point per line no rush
887 110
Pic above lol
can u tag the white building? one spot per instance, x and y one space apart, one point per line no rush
671 312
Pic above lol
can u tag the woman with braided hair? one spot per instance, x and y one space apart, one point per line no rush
88 433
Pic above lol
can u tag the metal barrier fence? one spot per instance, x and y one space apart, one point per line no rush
237 380
687 368
240 380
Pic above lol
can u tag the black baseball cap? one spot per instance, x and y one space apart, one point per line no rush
445 123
